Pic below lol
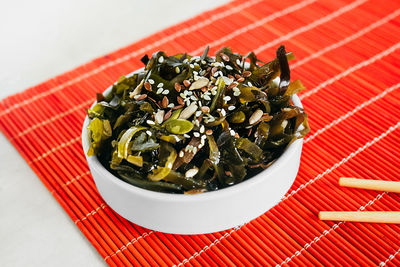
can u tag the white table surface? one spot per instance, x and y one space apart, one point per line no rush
40 39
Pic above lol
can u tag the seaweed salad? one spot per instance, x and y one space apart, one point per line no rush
192 124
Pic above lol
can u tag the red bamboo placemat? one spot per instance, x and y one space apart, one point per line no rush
347 56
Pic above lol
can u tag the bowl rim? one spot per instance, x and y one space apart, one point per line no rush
93 161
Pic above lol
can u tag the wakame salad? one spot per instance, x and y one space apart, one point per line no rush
191 124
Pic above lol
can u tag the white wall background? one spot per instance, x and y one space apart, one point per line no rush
38 40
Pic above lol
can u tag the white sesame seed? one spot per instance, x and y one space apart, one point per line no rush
193 98
186 135
151 81
187 148
232 132
197 123
238 62
206 97
227 80
196 134
192 172
191 66
201 144
148 133
250 84
149 122
223 112
211 119
203 137
195 73
194 150
181 154
228 67
231 107
235 89
161 59
202 72
202 129
198 113
203 62
227 98
186 61
220 73
159 91
213 92
216 74
171 105
165 92
159 116
237 93
160 85
199 103
256 116
189 93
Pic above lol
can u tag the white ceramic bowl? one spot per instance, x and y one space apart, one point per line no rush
202 213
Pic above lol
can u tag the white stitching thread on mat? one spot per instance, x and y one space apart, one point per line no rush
350 38
93 212
206 247
326 232
54 149
133 241
54 118
295 65
350 70
311 25
256 24
165 39
76 178
352 112
344 160
391 257
336 165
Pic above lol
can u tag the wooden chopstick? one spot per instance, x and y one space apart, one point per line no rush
388 186
361 216
365 216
